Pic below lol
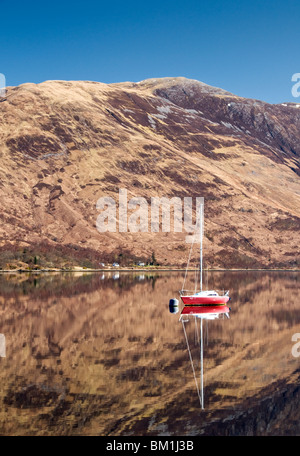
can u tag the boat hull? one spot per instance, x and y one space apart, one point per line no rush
204 300
199 310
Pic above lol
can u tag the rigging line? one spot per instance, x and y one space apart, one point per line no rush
194 237
197 278
206 332
196 331
192 364
198 222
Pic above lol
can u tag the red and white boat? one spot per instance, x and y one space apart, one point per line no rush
205 298
200 296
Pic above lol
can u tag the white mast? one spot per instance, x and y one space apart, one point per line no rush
201 241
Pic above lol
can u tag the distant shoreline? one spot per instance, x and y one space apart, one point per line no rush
152 269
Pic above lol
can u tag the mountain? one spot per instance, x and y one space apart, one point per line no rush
65 144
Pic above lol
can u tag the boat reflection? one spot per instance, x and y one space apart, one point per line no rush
197 314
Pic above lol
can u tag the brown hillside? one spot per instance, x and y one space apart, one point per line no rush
63 145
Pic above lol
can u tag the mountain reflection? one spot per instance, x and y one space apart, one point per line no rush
94 355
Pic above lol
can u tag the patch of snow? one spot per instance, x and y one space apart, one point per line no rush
263 143
152 121
226 124
164 109
291 105
193 111
210 121
159 116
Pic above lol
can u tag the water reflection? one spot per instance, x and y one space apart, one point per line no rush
92 355
198 314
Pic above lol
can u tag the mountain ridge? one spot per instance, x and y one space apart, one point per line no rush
65 144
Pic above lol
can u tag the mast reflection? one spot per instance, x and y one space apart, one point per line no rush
198 313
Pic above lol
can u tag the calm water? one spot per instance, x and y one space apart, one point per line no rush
101 354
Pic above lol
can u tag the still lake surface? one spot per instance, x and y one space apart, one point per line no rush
103 354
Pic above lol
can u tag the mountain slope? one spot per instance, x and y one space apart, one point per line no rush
63 145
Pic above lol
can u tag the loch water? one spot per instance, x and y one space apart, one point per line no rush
104 354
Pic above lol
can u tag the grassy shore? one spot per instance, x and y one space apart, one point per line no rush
140 269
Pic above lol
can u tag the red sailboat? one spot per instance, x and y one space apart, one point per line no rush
202 297
205 298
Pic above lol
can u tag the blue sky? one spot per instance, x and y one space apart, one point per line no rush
250 48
